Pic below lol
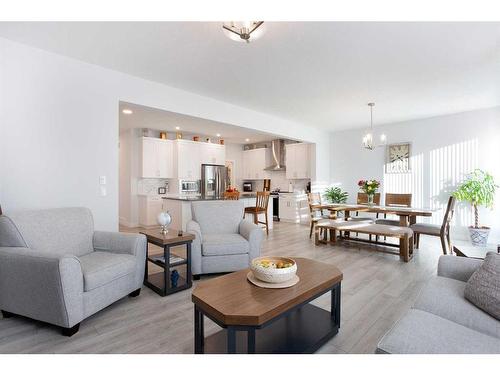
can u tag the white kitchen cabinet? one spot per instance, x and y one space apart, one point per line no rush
149 208
293 208
254 163
156 158
188 160
298 161
190 155
213 153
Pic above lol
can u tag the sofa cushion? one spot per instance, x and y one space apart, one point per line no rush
420 332
100 268
58 230
445 297
218 216
483 288
224 244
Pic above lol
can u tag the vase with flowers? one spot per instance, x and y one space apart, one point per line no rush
369 187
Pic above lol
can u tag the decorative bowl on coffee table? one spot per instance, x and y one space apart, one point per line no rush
274 269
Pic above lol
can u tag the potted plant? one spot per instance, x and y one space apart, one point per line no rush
369 187
336 195
479 190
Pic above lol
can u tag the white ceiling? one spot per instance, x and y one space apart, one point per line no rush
152 118
317 73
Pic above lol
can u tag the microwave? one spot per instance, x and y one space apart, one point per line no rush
247 186
189 186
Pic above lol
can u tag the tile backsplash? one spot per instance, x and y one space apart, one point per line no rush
149 186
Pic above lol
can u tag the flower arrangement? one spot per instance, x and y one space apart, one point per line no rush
369 187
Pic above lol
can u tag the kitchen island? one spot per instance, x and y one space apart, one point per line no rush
179 207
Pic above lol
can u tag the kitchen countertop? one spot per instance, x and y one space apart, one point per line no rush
189 198
243 195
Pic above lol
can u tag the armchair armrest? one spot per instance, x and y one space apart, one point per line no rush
121 243
254 235
194 228
124 243
42 286
458 268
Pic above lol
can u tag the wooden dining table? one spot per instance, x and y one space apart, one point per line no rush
407 215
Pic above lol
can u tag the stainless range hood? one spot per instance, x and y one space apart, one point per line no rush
278 156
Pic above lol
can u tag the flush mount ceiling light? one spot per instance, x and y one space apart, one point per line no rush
368 137
247 140
127 111
177 128
242 31
218 134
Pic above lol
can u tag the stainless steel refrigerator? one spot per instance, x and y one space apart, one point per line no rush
213 180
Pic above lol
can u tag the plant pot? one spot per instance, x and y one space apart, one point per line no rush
479 236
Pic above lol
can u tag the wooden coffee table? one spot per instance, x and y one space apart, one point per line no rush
259 320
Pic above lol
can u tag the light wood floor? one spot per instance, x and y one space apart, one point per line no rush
377 289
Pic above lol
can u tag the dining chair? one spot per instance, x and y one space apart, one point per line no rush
316 214
363 199
261 205
442 231
232 195
394 200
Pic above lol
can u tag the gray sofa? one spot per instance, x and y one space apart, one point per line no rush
224 241
55 268
442 321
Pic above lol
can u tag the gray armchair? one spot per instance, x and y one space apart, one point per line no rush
55 268
224 241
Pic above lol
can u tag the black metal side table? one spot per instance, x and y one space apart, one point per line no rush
160 282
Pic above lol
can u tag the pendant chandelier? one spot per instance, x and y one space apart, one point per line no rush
242 31
369 136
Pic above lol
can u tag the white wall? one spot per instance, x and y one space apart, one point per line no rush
443 149
59 119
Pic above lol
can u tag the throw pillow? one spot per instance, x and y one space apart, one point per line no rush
483 287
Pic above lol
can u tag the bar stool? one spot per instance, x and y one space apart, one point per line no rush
260 208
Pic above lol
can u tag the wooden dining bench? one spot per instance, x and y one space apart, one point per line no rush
404 234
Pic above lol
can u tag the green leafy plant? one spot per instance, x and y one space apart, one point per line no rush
336 195
479 190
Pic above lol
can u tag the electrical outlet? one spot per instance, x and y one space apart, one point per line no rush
102 180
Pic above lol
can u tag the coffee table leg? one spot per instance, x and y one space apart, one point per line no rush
251 341
335 308
199 334
231 340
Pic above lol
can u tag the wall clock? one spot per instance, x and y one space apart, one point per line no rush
398 158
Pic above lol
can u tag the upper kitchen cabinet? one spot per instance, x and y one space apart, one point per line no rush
156 158
213 153
298 161
254 162
190 155
188 159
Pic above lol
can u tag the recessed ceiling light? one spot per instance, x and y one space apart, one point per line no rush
127 111
247 140
218 134
177 128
